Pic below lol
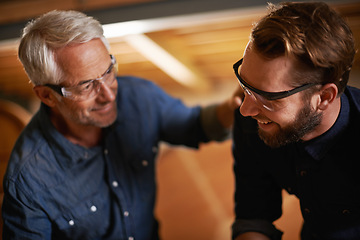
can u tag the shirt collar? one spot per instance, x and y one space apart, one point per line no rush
64 150
319 146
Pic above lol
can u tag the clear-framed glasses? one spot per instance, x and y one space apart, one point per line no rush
88 88
266 99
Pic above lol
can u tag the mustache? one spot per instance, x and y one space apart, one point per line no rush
261 118
102 105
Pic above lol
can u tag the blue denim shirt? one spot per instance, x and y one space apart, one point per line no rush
323 173
57 190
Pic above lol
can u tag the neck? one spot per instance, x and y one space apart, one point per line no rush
330 116
83 135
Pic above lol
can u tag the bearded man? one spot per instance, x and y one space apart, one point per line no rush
296 126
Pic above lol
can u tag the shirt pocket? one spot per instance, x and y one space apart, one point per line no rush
88 219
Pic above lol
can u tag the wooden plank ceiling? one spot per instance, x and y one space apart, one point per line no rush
207 47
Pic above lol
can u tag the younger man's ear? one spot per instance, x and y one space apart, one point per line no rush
46 95
328 93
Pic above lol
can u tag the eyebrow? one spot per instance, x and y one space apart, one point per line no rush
102 75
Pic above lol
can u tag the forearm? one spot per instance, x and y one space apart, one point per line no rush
225 110
211 124
225 114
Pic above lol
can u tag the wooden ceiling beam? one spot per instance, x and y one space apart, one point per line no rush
170 59
21 10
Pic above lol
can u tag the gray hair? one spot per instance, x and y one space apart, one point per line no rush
51 31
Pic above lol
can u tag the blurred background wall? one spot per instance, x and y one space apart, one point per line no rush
202 39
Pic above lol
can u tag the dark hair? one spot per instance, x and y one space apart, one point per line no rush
314 34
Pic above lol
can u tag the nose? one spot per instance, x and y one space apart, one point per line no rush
107 93
249 107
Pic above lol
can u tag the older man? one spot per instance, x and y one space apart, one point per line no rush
84 167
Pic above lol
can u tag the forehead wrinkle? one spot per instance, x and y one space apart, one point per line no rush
85 61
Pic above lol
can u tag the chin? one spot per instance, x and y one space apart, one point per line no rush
108 122
103 121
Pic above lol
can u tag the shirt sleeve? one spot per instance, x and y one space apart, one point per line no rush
163 115
21 219
169 117
258 197
179 124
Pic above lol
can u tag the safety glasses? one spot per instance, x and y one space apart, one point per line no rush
266 98
89 88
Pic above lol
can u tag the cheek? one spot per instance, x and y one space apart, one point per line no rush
82 109
288 114
76 110
285 119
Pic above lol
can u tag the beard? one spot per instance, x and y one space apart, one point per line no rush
306 121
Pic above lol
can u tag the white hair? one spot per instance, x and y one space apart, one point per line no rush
51 31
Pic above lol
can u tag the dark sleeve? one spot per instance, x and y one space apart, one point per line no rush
258 198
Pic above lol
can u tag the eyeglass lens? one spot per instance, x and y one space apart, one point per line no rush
91 88
261 101
108 79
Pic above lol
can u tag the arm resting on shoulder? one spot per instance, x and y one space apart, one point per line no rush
225 110
218 119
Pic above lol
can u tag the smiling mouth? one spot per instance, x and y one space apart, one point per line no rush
104 108
264 122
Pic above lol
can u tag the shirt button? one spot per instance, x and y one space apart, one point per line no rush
115 184
106 151
306 210
71 222
346 211
145 163
93 208
303 173
126 213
